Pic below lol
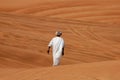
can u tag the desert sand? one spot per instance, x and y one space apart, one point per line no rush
90 29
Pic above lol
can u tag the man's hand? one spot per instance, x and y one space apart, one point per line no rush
63 51
48 51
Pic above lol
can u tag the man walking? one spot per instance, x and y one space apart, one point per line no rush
57 44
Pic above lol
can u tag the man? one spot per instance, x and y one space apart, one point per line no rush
57 44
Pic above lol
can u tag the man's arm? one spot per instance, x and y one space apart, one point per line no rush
49 46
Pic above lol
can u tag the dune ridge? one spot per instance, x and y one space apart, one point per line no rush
100 10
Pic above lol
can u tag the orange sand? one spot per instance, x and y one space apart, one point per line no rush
90 29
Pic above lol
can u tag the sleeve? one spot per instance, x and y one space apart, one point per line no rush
63 42
50 43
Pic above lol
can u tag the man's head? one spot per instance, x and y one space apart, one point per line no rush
58 33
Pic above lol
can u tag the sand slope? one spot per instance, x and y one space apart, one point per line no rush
87 10
91 71
24 40
90 29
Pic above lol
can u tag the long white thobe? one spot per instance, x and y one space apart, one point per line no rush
57 44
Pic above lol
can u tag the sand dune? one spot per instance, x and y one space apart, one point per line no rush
100 11
26 38
90 71
90 29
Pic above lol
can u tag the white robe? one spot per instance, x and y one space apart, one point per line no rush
57 44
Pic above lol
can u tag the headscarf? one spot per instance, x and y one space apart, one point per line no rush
58 33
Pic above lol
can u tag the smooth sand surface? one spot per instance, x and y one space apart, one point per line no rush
87 10
109 70
90 29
